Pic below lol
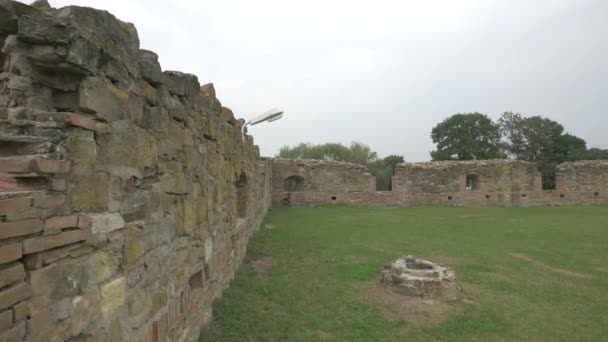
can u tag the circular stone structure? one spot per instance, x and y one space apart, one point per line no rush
421 278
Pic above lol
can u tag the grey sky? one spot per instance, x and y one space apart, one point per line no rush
384 72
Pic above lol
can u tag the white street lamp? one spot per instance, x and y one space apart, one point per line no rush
270 115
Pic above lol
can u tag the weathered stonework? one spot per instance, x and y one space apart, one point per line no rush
128 195
414 277
450 183
118 184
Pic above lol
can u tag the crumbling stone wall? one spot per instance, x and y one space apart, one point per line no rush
493 182
119 184
319 182
452 183
582 182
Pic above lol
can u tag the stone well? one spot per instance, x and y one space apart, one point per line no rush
421 278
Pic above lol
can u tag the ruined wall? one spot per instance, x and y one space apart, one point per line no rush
494 182
452 183
127 195
319 182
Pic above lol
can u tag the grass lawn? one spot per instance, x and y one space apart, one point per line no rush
529 274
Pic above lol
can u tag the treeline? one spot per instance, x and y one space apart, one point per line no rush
475 136
358 153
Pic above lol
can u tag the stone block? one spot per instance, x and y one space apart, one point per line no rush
181 84
113 296
60 222
16 333
13 295
87 189
108 102
81 150
49 202
71 119
14 206
11 273
50 166
105 223
43 243
58 281
137 243
10 253
19 228
6 320
86 308
99 267
58 184
150 68
21 311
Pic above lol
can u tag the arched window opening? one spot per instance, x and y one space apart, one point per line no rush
473 183
293 184
241 196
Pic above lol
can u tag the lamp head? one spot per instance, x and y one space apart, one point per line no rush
269 115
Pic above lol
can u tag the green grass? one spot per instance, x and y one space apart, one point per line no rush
324 257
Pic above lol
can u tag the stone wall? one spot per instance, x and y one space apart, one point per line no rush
451 183
319 182
127 194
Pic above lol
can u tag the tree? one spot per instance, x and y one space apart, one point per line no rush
467 136
384 169
357 153
540 140
589 154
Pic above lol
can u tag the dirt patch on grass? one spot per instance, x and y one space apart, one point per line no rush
319 335
262 265
602 269
269 226
417 311
551 268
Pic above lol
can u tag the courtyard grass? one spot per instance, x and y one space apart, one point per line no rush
512 263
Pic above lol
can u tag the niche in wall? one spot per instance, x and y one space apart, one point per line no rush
293 184
472 183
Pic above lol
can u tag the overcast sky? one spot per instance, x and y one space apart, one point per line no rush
384 72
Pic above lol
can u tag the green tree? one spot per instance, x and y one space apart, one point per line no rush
384 169
540 140
357 153
589 154
466 136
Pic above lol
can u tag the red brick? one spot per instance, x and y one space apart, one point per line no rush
18 228
50 166
15 205
14 334
60 222
48 202
10 253
21 311
9 184
43 243
15 165
6 320
12 273
15 294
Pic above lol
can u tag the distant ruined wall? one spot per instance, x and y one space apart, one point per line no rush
127 194
450 183
318 182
